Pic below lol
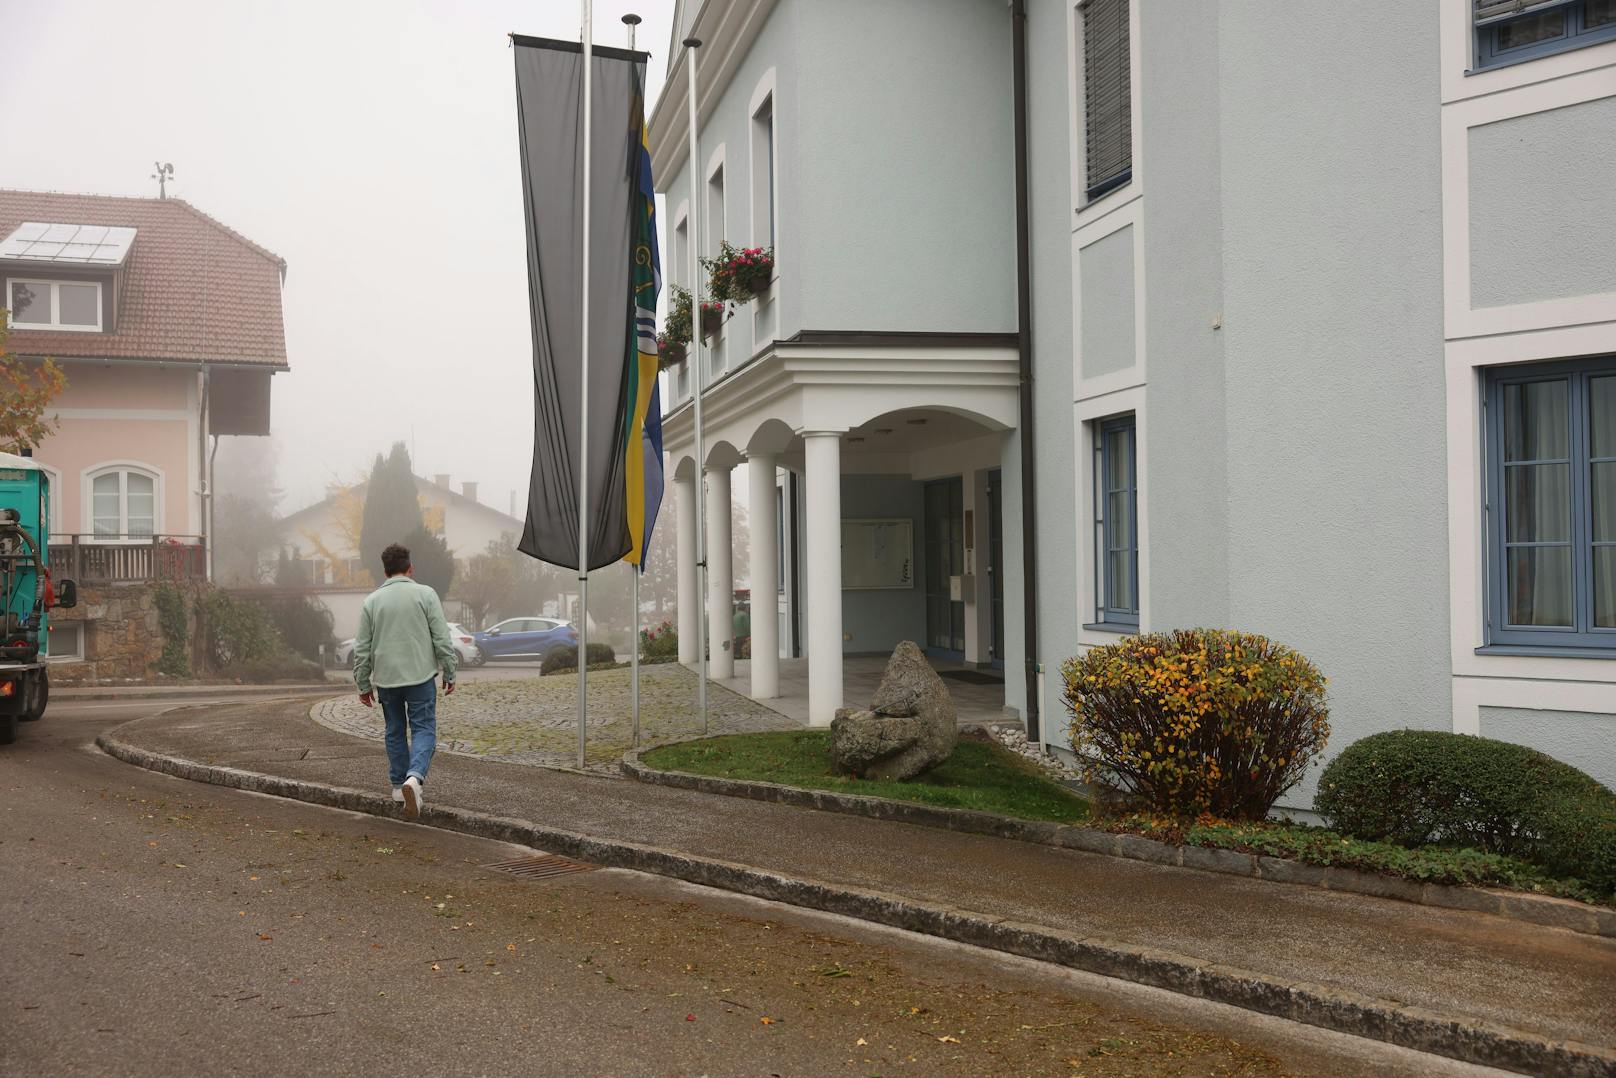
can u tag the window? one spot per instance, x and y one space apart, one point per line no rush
1512 30
64 641
123 504
681 250
1116 526
1107 104
763 173
54 304
1552 506
715 211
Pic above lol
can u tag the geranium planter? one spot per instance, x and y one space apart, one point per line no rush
712 320
759 286
671 355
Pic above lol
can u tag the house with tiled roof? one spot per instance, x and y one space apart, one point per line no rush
168 325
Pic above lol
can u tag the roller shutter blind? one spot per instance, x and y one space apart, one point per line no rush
1489 10
1107 110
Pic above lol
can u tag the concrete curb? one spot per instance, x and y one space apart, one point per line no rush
134 692
1515 905
1312 1004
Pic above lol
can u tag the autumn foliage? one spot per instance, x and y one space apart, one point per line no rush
26 390
1200 721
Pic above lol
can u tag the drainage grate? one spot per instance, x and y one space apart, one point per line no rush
540 866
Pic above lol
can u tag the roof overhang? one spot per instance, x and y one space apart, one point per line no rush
726 32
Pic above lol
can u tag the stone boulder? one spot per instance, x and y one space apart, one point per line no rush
909 727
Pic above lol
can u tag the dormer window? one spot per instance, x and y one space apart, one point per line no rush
39 304
38 250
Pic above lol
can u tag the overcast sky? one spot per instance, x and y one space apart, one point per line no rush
373 146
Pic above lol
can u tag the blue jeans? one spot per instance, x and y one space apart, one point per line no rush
415 708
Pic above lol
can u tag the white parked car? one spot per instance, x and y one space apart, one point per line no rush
464 643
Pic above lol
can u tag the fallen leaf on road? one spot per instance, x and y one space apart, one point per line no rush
264 937
949 1040
766 1020
436 967
511 947
861 1042
252 877
690 1018
151 843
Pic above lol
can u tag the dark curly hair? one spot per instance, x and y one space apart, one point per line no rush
396 559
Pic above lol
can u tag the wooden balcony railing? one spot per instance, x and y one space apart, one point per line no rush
142 559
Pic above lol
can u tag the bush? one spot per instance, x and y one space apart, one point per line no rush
1196 721
1416 787
235 630
175 627
659 644
303 622
565 657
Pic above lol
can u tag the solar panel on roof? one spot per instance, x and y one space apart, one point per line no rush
100 245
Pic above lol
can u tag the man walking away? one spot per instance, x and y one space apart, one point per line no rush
403 642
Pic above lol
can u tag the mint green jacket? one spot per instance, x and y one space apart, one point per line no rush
403 637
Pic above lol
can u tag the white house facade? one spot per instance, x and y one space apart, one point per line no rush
1322 332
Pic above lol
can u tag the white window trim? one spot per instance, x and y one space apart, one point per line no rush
1085 212
73 656
1090 414
1126 215
764 92
1460 80
710 239
681 219
55 325
1461 317
54 476
87 499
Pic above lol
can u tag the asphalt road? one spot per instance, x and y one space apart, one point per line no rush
151 926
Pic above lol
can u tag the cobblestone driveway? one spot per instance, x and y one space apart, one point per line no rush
534 720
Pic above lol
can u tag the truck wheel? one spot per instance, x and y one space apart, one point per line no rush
36 710
8 729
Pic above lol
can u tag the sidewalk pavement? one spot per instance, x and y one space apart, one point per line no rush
1549 982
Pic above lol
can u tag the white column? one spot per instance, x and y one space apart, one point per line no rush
684 495
720 577
822 528
765 524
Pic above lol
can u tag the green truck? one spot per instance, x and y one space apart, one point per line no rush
27 593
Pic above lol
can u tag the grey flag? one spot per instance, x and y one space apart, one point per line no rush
549 100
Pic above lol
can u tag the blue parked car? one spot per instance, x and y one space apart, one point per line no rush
525 639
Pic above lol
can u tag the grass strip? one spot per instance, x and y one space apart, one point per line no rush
979 775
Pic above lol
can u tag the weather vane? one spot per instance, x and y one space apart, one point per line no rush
164 173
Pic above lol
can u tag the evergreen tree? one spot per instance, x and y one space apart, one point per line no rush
433 561
392 508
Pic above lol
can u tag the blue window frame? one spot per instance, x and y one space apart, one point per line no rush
1551 506
1509 31
1116 524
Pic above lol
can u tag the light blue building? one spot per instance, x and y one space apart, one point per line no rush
1320 329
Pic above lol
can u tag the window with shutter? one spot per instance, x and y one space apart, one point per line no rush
1107 108
1509 31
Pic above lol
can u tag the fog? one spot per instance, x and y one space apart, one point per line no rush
373 146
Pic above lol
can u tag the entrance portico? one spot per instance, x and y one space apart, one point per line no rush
873 467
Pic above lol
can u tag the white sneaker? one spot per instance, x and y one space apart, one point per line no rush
413 797
398 794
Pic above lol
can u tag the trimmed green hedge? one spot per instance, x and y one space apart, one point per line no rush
1425 787
565 657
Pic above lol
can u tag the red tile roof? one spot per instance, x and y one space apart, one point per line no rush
193 288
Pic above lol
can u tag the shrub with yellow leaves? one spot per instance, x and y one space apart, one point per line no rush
1198 721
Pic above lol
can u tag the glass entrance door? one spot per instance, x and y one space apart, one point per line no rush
945 559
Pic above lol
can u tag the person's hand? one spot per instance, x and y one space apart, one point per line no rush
368 699
448 687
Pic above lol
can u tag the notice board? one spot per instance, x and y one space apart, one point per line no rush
878 554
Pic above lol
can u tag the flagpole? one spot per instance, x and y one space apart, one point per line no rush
631 21
583 422
691 45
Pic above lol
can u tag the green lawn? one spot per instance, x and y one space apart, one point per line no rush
979 775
